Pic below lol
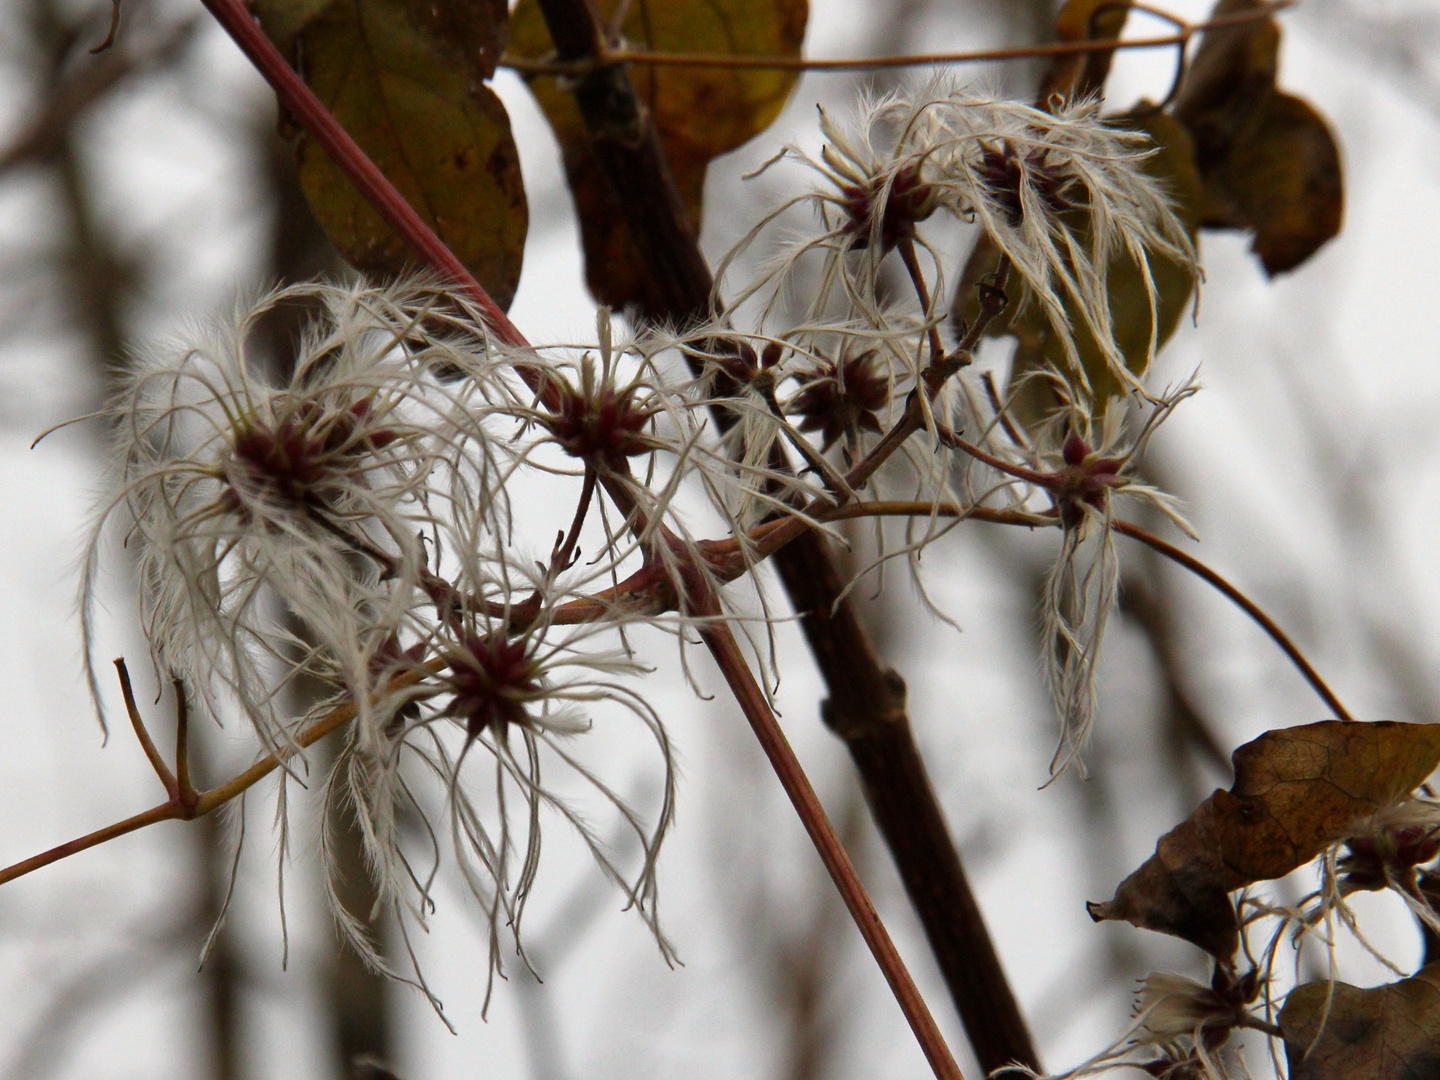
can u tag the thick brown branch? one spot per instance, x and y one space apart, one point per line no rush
627 147
866 699
866 708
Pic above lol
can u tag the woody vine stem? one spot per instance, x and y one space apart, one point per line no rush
678 574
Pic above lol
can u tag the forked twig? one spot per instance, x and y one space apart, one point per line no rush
186 808
146 743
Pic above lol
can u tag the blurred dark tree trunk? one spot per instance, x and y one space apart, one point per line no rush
299 251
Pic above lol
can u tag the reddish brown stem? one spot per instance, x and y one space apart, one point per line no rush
922 293
146 743
164 812
565 545
1240 600
297 98
194 804
738 676
185 789
865 703
318 121
1009 468
1134 532
941 367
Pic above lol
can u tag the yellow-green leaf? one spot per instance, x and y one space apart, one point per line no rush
699 113
471 33
422 115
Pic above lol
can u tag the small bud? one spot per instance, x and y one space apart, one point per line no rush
1007 173
1397 841
492 679
842 399
738 361
604 426
908 200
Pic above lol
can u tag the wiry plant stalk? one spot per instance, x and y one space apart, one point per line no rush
865 705
311 113
726 651
583 64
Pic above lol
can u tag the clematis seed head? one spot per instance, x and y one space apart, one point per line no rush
493 679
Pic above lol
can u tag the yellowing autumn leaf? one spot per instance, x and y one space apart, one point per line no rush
404 77
1269 161
1132 319
699 113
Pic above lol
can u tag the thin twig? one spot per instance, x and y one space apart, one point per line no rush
182 743
207 801
112 32
336 718
660 58
722 644
565 545
904 508
312 114
92 81
147 744
1002 411
164 812
999 464
1200 570
805 448
922 292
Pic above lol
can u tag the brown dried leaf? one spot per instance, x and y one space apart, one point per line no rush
699 113
1297 791
409 90
1233 72
1283 181
1388 1033
1268 159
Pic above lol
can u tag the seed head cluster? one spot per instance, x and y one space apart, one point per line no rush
456 536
